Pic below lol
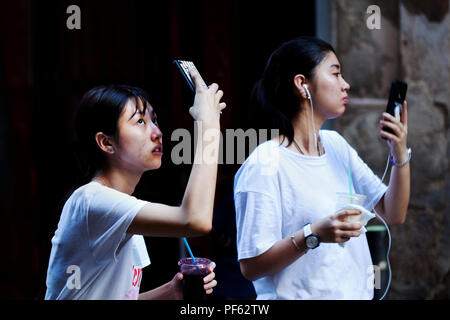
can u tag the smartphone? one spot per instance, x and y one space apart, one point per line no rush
184 66
397 95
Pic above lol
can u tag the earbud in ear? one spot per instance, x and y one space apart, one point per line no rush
307 91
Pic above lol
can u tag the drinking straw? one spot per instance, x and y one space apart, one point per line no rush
189 249
350 184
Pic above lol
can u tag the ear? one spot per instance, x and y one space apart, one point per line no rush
104 142
299 81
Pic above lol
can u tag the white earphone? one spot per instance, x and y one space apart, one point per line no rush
307 91
312 118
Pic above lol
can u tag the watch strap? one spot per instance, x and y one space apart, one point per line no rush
307 230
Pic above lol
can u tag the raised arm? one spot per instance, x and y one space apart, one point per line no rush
194 216
394 204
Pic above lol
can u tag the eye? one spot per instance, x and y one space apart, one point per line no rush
337 74
155 121
141 121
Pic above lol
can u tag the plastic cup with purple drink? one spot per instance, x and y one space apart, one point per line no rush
193 274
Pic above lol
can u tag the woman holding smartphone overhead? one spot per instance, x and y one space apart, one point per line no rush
98 251
288 230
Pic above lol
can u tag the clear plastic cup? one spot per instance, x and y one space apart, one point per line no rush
344 199
193 274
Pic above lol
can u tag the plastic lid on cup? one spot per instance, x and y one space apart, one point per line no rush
360 197
198 262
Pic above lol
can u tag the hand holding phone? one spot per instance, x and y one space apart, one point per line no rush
184 67
397 95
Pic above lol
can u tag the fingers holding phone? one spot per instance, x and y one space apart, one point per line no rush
394 122
397 137
397 96
199 83
207 102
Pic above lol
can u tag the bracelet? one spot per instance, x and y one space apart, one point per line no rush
295 243
398 165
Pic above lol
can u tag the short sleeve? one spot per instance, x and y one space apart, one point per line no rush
365 181
258 223
258 209
109 214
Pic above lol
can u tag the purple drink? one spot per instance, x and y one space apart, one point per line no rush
193 274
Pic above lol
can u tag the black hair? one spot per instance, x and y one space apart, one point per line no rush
99 111
273 98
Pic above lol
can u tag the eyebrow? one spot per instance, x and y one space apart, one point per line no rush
152 113
336 66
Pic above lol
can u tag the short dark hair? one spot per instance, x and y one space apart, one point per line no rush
99 111
273 96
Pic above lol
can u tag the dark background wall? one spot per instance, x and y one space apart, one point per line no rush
44 70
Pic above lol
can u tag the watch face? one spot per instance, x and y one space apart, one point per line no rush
312 242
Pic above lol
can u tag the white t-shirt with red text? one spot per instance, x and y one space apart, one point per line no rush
92 256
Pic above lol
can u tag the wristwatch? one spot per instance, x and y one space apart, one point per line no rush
312 241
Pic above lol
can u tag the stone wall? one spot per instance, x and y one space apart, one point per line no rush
412 44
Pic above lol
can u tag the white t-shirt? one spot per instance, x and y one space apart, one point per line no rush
278 191
92 256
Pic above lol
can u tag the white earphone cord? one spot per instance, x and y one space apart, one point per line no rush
379 217
314 127
389 239
312 118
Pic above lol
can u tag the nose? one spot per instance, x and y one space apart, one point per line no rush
156 133
345 85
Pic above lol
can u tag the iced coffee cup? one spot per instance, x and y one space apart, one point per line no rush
345 200
193 274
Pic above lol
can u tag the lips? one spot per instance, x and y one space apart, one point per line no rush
345 99
158 150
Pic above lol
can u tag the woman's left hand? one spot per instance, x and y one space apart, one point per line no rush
176 291
209 282
176 283
397 140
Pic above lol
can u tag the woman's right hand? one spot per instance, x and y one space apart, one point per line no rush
335 229
207 105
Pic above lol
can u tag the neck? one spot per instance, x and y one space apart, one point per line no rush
124 181
304 130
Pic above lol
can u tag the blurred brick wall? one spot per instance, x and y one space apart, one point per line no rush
413 45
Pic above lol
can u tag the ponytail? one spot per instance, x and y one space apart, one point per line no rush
273 98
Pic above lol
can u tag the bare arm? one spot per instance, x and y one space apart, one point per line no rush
279 256
168 291
283 253
394 204
194 216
